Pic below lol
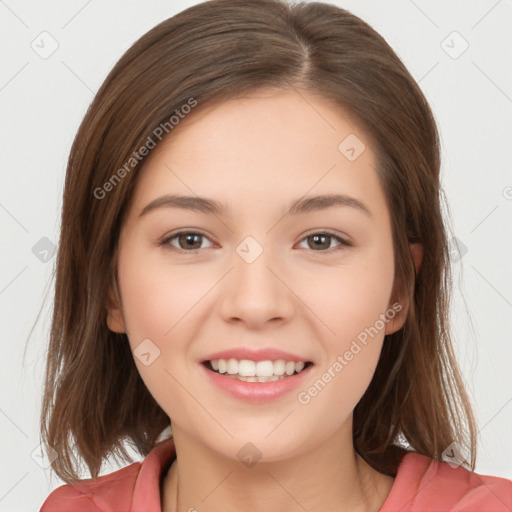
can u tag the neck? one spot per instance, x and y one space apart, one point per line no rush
332 476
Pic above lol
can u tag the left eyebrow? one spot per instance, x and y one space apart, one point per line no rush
299 206
323 202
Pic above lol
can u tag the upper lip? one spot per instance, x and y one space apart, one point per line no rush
263 354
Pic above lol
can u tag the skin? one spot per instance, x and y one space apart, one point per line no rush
258 154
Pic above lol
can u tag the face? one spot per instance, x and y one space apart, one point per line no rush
315 282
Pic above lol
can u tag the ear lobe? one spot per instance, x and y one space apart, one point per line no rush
417 255
401 305
400 309
115 319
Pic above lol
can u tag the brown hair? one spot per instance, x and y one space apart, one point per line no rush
94 399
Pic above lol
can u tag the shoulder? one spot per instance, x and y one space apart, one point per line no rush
134 487
105 493
425 484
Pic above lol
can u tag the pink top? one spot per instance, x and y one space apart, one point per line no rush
421 485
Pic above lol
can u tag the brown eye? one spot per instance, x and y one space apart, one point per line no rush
321 242
187 241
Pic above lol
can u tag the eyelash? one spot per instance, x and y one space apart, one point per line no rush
342 242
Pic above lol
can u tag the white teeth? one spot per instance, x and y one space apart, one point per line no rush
232 366
299 366
290 368
252 371
265 368
279 367
256 379
246 368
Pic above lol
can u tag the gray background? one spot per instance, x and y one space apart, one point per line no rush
43 100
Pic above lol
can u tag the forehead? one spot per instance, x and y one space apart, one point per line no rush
264 148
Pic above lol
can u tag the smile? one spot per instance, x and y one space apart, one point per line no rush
256 381
256 371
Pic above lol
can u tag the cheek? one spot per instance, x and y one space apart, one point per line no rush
351 305
156 299
156 294
355 298
350 298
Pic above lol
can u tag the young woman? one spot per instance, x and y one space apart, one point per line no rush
253 254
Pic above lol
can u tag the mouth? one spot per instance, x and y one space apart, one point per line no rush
247 370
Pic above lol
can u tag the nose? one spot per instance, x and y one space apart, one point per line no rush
257 293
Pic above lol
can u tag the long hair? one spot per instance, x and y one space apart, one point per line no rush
94 399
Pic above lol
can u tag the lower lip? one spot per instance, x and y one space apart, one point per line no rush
256 391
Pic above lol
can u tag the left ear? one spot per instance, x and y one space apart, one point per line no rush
401 306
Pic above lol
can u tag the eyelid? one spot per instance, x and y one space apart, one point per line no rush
343 240
165 241
330 232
